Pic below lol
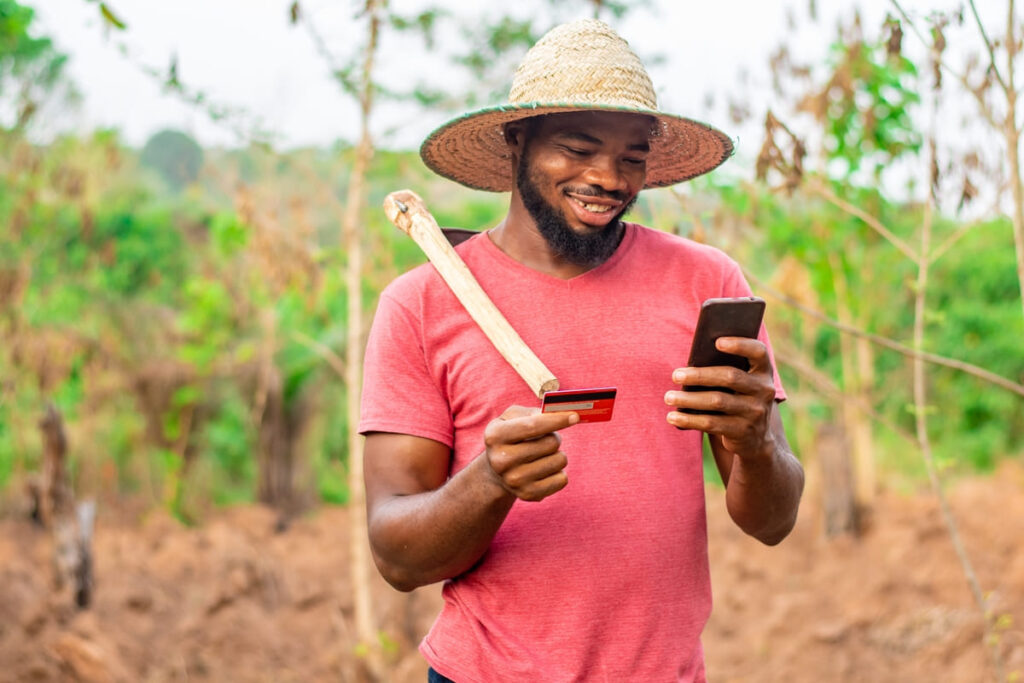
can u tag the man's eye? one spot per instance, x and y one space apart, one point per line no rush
636 161
576 151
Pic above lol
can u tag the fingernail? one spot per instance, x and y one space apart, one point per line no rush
668 397
574 418
679 376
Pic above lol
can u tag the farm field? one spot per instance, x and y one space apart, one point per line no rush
235 601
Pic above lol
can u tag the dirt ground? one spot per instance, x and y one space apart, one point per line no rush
235 601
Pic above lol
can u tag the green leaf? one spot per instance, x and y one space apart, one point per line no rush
229 234
111 18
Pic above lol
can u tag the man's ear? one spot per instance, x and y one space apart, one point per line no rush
515 136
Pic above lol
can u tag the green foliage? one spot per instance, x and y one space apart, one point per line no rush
30 67
7 447
176 283
228 233
144 254
978 321
867 105
331 481
111 18
123 434
21 54
206 321
175 156
425 23
228 441
974 311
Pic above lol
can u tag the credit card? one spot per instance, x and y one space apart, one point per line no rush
592 405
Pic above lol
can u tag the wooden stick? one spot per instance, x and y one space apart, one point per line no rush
408 212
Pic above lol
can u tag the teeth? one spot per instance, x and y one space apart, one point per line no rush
595 208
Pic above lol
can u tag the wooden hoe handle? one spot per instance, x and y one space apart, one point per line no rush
408 212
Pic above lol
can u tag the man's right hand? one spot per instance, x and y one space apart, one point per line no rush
523 451
426 526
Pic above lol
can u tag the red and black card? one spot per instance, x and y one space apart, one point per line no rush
592 405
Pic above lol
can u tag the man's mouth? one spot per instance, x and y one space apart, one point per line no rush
594 211
590 206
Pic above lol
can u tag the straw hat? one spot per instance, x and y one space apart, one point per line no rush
583 65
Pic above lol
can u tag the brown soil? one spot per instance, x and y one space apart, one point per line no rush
235 601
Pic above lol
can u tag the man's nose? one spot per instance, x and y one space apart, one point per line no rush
605 172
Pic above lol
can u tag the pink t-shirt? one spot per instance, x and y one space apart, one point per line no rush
607 580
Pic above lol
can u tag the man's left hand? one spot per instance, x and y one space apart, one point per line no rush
744 417
763 480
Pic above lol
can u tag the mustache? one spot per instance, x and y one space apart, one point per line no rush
592 191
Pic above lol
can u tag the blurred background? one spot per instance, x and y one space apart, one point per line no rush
191 247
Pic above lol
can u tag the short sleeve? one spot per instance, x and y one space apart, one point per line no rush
733 285
400 394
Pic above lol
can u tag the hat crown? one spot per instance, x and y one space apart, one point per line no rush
583 62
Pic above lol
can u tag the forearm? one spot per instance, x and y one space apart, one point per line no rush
427 537
763 493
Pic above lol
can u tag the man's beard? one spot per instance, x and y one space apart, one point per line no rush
582 249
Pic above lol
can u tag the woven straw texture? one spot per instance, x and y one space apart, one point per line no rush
580 66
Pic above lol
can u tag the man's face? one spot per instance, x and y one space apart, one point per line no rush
578 175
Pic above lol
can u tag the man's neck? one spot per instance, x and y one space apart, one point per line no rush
519 238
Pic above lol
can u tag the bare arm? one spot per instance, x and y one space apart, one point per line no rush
762 494
763 479
425 527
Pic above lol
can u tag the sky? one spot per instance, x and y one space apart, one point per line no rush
245 54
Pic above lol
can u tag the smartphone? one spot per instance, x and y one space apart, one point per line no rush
730 317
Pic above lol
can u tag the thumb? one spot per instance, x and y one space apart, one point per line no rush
514 411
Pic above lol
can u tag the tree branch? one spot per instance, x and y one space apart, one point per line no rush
879 340
951 240
921 428
322 350
990 47
790 357
920 36
819 188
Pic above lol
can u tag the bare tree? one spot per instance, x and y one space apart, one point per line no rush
366 630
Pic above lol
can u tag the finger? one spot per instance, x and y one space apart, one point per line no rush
514 411
525 475
723 377
754 350
712 424
532 449
718 401
540 490
713 376
508 457
518 429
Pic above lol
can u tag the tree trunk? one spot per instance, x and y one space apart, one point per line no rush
281 430
1012 133
841 510
275 449
359 567
71 528
1013 145
856 424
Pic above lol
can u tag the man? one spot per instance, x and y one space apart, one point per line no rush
570 552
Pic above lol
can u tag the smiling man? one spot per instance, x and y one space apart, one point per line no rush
562 145
569 552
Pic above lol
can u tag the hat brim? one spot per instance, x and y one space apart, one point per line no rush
471 149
